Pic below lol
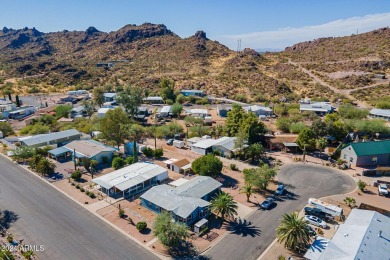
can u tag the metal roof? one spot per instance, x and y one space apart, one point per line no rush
58 151
198 187
45 138
89 148
364 235
109 95
166 109
191 91
318 106
380 112
130 176
226 142
255 108
178 182
153 98
316 248
198 111
290 144
370 148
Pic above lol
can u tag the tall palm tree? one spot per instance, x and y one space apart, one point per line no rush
223 204
247 190
293 231
321 145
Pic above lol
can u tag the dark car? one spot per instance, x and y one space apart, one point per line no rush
170 142
318 213
267 203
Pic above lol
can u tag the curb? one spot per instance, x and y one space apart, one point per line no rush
83 206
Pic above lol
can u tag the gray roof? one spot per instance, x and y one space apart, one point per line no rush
45 138
166 109
58 151
109 95
191 91
364 235
78 109
198 187
255 108
184 199
226 142
153 98
380 112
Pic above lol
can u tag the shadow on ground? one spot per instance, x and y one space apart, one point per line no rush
243 228
7 218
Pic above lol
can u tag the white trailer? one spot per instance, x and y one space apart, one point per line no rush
326 207
178 144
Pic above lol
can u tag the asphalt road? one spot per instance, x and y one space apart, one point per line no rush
304 181
65 229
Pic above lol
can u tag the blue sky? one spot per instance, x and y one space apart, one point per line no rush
260 24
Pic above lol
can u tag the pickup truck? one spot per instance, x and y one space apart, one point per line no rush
382 190
317 213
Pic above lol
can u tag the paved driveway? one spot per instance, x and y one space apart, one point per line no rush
65 229
304 181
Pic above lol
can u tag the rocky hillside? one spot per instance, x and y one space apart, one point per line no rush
144 54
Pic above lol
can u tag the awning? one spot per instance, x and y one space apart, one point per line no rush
201 222
186 167
290 144
59 151
170 161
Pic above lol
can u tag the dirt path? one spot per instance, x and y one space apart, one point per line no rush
345 92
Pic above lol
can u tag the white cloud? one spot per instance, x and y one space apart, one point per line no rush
285 37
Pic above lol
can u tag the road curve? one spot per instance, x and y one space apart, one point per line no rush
65 229
303 182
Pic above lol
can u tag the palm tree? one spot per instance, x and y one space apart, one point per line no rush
321 145
223 204
293 231
247 190
45 167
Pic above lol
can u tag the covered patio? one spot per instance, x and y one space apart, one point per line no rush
60 154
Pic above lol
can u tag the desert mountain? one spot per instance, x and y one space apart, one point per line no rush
144 54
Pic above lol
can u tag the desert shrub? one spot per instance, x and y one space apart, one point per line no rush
233 167
141 225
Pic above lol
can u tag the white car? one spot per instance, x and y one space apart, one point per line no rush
382 190
315 221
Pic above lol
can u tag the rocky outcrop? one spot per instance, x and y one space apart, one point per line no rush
131 33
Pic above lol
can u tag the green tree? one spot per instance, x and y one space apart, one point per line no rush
254 151
141 225
293 231
283 124
177 109
63 110
253 127
86 163
247 190
351 202
319 127
296 128
93 167
45 167
321 145
168 90
76 175
6 129
115 126
349 111
33 162
361 185
118 163
17 101
23 153
217 131
306 140
224 205
168 232
89 107
234 120
131 99
259 177
208 165
98 96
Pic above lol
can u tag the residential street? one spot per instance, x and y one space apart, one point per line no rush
303 182
65 229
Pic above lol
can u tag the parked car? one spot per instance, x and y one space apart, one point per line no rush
318 213
170 142
382 190
269 201
315 221
280 190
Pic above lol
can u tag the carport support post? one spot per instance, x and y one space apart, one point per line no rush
74 158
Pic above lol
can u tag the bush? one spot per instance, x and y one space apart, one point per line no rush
141 225
121 213
233 167
361 185
10 238
92 195
76 175
87 192
73 184
129 160
82 189
118 163
148 152
77 186
158 153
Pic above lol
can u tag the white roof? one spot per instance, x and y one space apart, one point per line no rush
198 111
178 182
109 95
318 106
364 235
153 98
316 248
222 141
104 110
166 109
172 160
194 139
204 144
130 176
257 108
380 112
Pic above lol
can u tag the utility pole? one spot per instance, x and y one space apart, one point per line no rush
74 158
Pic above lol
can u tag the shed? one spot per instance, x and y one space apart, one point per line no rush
201 225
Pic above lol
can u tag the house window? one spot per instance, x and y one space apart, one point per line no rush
189 218
374 159
345 156
351 159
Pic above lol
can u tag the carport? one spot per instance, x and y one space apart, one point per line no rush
60 154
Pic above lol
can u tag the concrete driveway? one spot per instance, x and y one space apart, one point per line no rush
43 216
257 233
